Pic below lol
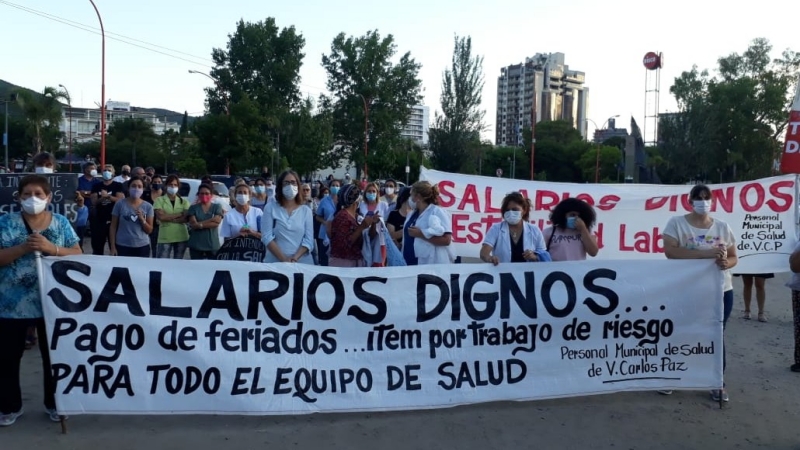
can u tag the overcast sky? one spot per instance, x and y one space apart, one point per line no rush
605 39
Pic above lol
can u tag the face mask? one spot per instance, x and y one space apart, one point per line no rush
93 173
260 189
242 199
135 192
290 191
172 190
44 170
571 222
125 173
371 196
34 205
156 187
412 204
270 191
204 198
702 206
334 190
107 175
512 217
389 191
324 195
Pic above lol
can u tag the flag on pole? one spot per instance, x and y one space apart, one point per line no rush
790 160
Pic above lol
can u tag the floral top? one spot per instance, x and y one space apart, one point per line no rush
19 282
342 227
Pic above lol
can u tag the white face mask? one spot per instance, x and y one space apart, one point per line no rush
702 206
172 190
290 191
44 170
93 173
412 204
512 217
34 205
242 199
389 191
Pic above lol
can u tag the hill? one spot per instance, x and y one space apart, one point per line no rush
6 89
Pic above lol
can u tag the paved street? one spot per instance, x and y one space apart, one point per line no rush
762 413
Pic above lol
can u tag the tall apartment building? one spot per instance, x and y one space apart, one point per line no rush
558 92
417 127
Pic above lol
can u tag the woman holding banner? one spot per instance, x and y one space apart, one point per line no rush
22 236
514 239
697 235
288 233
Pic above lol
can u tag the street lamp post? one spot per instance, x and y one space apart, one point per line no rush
5 135
597 153
366 133
102 90
227 108
69 117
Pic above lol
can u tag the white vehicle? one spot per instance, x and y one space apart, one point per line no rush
189 187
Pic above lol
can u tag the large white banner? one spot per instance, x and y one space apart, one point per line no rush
224 337
762 214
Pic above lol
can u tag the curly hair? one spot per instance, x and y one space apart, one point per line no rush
517 198
585 211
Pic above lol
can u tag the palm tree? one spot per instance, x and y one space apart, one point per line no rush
41 111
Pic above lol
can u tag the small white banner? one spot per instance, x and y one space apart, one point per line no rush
226 337
630 217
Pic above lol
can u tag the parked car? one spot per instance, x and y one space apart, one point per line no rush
189 186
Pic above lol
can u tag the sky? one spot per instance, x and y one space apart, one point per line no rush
605 39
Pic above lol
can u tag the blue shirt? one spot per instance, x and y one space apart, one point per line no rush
83 216
86 185
326 210
19 281
408 240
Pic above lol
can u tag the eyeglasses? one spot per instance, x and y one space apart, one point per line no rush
289 182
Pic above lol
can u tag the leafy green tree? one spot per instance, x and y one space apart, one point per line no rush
729 125
189 161
307 139
133 142
185 123
368 87
559 148
19 144
43 114
607 158
458 128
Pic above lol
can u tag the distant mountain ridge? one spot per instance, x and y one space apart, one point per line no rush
6 89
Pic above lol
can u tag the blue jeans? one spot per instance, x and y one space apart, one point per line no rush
178 250
133 252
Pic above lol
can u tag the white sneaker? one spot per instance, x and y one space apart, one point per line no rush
6 420
53 414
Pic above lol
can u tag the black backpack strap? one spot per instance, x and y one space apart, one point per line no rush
550 239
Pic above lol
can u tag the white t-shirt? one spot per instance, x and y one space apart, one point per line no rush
234 221
689 237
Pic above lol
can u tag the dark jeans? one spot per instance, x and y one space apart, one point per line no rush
154 242
99 237
727 307
322 252
12 346
81 232
201 254
135 252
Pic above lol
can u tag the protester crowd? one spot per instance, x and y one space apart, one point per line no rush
338 223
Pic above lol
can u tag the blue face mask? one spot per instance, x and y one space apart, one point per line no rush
334 190
371 196
571 222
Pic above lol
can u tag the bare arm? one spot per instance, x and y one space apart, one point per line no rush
11 254
589 243
112 235
673 250
794 262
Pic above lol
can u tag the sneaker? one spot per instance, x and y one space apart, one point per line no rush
717 393
664 392
6 420
53 414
